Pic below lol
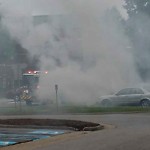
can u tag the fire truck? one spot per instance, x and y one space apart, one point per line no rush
29 86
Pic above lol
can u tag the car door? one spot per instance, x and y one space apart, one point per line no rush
121 97
134 96
129 96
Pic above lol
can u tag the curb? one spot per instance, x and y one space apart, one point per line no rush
99 127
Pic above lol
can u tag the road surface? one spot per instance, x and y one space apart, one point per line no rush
124 132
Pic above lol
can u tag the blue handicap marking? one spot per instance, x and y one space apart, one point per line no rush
6 143
11 138
49 132
40 138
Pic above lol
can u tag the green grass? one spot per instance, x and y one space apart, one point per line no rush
33 110
78 109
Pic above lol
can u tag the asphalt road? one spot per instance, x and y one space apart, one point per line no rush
124 132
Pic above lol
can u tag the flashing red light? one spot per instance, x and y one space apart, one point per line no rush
35 72
29 72
46 72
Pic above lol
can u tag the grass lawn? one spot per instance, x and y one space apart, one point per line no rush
33 110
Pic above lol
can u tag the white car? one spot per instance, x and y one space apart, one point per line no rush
127 97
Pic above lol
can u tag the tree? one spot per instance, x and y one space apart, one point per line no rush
134 7
138 30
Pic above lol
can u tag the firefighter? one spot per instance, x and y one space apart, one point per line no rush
22 93
18 93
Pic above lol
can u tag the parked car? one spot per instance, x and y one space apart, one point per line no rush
127 97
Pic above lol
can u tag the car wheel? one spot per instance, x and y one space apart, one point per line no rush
106 103
145 103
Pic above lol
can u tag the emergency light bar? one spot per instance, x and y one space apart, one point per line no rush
29 72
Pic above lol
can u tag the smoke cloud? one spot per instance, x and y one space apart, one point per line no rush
82 45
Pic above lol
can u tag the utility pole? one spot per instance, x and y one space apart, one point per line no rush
56 90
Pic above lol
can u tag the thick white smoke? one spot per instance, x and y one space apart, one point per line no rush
84 48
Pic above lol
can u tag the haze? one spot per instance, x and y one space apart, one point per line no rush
84 47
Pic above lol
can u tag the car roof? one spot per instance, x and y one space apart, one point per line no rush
136 88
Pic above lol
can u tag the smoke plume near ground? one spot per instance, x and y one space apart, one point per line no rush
85 51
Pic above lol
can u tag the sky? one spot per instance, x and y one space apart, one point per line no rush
20 7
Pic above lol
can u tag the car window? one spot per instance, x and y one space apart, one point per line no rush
135 91
138 91
130 91
123 92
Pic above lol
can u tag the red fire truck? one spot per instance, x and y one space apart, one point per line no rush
30 85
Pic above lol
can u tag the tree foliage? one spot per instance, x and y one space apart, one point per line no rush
138 30
134 7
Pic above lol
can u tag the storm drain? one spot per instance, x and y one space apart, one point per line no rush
16 136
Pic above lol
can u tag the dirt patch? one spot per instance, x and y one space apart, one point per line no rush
74 124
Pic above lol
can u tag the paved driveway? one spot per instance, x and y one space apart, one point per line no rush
128 132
